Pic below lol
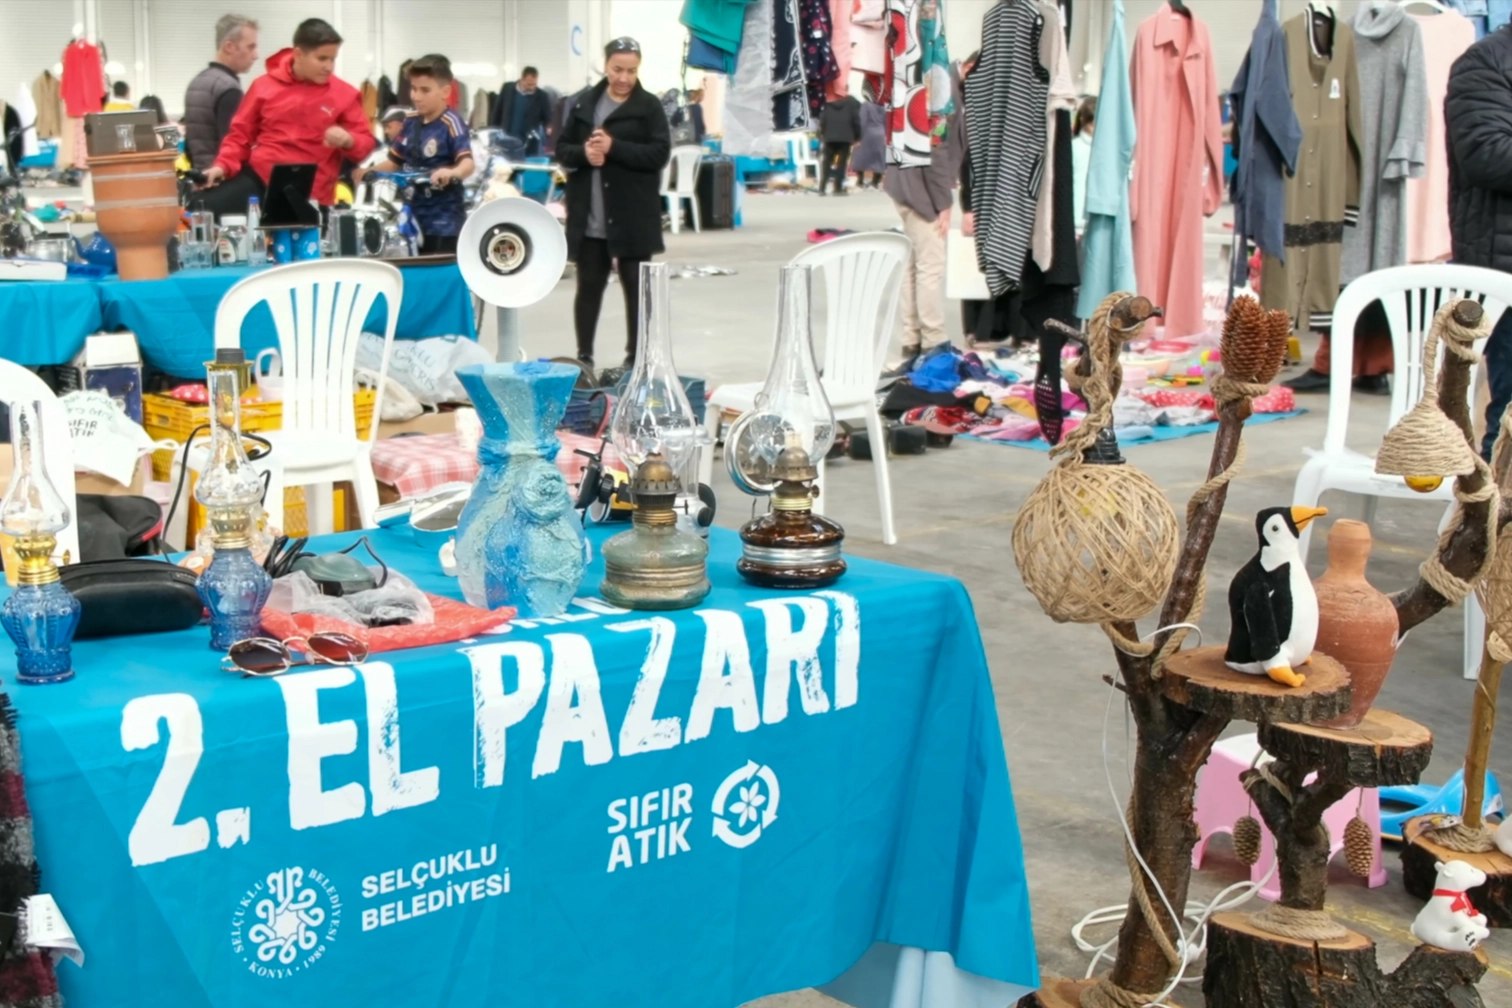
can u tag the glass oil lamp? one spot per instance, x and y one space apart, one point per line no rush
234 586
40 615
657 563
776 449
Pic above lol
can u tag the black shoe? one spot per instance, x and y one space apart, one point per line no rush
906 365
841 192
823 193
1376 384
1309 381
610 376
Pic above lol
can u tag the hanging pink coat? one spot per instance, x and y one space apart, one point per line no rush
1178 163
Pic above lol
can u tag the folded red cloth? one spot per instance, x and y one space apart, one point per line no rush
454 621
1279 399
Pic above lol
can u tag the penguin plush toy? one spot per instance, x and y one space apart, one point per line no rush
1272 605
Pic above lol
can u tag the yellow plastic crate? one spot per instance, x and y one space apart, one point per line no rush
166 417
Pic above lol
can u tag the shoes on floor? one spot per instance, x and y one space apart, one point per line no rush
610 376
1379 384
1310 380
906 365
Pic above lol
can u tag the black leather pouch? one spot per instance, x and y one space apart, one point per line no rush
132 596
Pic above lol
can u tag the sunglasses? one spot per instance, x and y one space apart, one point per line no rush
623 45
265 656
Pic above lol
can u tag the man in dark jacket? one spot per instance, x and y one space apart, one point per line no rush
522 110
1478 116
213 96
616 143
840 126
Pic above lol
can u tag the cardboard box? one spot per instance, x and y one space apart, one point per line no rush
425 423
109 363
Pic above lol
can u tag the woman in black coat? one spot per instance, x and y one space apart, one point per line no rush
616 143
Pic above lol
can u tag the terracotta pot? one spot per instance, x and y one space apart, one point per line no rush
1357 625
137 208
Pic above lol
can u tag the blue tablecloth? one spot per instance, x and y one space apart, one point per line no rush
46 322
174 318
678 810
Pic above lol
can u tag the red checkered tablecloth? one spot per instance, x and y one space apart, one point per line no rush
413 465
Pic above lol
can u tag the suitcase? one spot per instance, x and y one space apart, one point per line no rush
716 192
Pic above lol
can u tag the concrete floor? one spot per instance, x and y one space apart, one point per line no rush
954 511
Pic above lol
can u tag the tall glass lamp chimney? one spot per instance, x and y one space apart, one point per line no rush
40 615
653 414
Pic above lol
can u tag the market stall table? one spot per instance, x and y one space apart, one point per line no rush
675 810
174 318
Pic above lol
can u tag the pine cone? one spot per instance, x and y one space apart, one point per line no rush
1359 847
1247 342
1280 325
1247 839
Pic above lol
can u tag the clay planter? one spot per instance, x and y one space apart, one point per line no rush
137 208
1357 625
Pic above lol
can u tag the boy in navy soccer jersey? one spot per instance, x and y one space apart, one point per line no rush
435 140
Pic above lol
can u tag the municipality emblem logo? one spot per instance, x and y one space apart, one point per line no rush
285 923
745 804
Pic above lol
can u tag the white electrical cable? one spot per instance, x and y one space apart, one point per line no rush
1189 945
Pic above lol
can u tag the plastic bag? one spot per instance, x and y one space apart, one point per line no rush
427 367
396 602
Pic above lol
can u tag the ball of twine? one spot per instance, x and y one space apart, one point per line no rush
1096 543
1425 442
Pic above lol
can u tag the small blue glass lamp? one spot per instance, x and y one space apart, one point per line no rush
234 587
40 615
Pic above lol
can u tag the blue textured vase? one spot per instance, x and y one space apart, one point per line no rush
234 588
519 541
41 619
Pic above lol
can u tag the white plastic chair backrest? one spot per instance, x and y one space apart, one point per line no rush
318 311
1410 295
18 385
684 164
861 276
799 150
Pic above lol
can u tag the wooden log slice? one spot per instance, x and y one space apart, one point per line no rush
1383 749
1056 992
1250 968
1199 679
1420 854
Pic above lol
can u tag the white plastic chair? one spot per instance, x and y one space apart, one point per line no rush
18 385
800 151
318 310
680 182
861 285
1410 295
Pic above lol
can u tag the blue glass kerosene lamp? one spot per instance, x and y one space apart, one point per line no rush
234 586
40 615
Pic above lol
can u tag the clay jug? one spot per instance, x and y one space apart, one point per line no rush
137 209
1357 625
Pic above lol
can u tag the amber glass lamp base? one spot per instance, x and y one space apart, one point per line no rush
791 549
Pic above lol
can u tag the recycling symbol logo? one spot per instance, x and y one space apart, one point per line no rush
746 804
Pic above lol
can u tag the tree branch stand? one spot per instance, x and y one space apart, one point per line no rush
1292 954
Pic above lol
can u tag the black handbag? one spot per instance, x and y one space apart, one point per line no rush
132 596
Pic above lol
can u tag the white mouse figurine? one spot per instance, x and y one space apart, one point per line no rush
1449 921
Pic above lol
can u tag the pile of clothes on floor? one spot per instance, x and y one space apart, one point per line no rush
991 395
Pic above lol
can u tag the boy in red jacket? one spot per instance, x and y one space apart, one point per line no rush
298 112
